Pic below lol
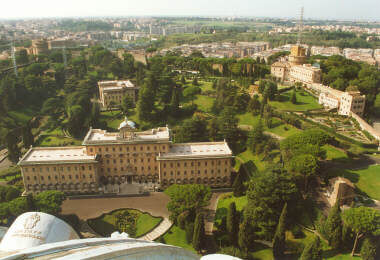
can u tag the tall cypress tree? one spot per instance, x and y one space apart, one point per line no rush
199 232
27 136
312 251
233 224
334 226
245 236
13 150
238 185
369 249
279 237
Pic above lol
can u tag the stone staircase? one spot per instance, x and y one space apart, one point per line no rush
158 231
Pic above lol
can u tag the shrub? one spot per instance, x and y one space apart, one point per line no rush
297 232
189 228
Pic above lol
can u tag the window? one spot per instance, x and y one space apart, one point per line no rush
171 173
56 177
205 163
89 167
68 168
127 149
106 149
47 169
70 176
122 168
185 164
76 176
142 160
82 168
33 170
91 150
35 178
90 176
184 172
199 164
26 169
121 160
113 149
49 177
142 168
120 149
108 169
100 149
63 177
164 165
28 178
141 148
205 171
178 164
114 161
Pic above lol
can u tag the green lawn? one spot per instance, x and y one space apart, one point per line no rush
305 102
204 103
367 180
256 159
284 130
279 128
106 223
176 237
226 199
112 119
333 153
224 203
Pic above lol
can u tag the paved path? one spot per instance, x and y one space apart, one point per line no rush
158 231
85 209
210 212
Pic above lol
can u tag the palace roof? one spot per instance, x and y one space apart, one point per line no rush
70 154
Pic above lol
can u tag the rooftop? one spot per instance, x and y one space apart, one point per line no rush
116 84
72 154
98 136
207 149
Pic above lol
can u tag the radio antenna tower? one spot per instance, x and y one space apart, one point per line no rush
14 58
300 27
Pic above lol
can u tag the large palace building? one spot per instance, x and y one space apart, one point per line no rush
111 93
295 70
126 159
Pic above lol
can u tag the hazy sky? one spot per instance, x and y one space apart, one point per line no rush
330 9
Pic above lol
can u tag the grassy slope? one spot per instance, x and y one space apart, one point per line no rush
305 102
177 237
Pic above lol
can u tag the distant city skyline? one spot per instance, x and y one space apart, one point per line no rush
321 9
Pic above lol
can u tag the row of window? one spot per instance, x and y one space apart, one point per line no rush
54 169
192 172
126 169
56 177
127 160
192 164
99 149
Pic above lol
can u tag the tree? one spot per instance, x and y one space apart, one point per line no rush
256 136
27 136
174 103
233 224
199 232
293 98
303 166
334 226
312 250
238 185
22 57
195 81
14 152
183 80
30 205
12 193
192 130
362 221
246 236
145 104
254 105
127 104
18 206
267 114
279 237
190 93
187 197
267 193
50 201
370 248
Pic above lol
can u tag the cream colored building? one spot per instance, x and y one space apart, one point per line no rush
295 70
147 160
346 102
112 92
351 101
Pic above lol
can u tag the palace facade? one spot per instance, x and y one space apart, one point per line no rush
111 93
123 159
295 69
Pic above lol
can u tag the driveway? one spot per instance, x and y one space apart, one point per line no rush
155 204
